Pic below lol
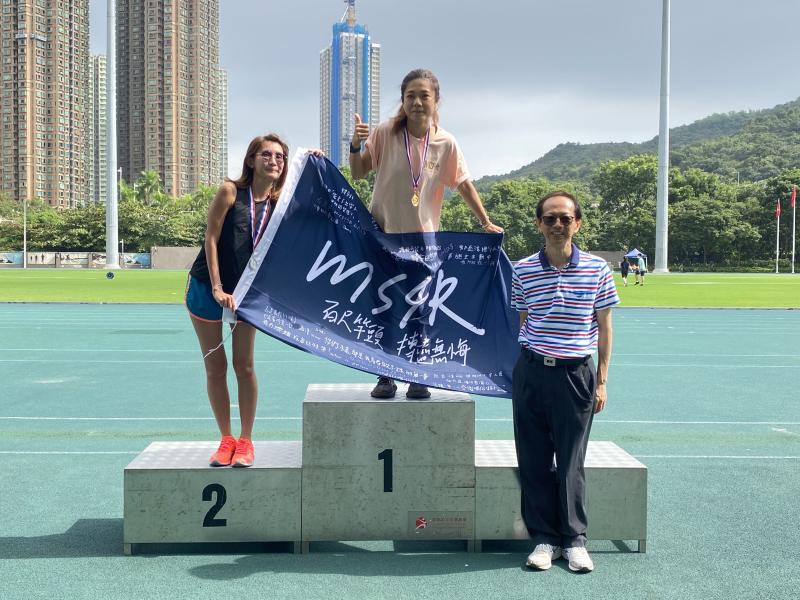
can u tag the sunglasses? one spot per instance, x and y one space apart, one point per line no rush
550 220
267 155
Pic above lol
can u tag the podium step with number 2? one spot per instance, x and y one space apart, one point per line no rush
173 496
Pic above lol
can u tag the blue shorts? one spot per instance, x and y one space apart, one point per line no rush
200 301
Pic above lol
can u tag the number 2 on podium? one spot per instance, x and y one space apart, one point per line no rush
386 457
219 491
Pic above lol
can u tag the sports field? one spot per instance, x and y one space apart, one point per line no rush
707 399
700 290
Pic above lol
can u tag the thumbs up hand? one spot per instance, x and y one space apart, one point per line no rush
360 133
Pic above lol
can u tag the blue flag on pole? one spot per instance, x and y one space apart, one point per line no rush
430 308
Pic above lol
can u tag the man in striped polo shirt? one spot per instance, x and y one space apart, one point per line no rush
564 298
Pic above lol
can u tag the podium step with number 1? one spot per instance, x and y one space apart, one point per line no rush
393 469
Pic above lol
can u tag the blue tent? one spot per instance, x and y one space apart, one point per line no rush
636 253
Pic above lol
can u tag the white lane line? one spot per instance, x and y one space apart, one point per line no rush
698 422
49 452
701 366
785 431
156 362
321 360
719 456
637 422
637 456
144 351
484 420
687 355
193 351
136 418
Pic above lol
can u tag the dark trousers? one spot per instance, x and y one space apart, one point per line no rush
553 409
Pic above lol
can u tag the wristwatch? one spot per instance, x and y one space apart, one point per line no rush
354 149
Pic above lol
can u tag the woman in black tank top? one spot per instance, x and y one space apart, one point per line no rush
237 218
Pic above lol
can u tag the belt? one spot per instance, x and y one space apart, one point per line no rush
552 361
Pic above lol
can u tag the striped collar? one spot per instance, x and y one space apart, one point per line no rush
573 259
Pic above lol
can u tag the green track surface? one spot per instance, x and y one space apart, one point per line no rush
696 290
707 399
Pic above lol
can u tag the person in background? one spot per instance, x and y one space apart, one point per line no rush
641 270
625 268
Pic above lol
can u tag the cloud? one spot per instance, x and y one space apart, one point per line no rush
499 133
518 76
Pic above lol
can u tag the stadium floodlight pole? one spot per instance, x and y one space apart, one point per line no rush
662 205
112 252
777 234
25 233
794 221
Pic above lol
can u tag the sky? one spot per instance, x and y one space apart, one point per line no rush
517 77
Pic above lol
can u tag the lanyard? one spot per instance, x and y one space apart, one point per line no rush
257 233
415 179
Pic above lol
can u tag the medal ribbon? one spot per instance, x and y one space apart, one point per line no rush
257 233
415 180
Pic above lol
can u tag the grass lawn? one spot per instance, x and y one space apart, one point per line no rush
91 285
713 290
678 290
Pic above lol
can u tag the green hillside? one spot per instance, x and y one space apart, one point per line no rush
756 144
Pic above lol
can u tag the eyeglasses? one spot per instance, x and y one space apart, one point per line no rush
278 156
550 220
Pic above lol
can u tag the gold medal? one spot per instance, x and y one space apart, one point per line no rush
415 178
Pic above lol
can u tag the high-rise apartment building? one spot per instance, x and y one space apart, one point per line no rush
44 61
97 163
223 124
168 91
349 83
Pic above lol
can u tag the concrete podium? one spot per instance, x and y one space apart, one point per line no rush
616 493
387 469
366 469
173 496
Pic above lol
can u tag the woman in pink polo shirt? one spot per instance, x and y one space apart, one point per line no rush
414 160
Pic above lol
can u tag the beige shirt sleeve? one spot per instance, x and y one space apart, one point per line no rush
374 144
455 170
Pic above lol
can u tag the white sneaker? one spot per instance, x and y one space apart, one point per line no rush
579 559
543 556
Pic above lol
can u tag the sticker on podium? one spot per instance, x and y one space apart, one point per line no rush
450 525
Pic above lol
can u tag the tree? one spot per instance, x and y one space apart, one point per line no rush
775 189
624 185
710 231
627 205
10 223
512 205
362 187
44 226
148 187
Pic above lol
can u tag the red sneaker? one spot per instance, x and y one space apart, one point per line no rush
244 455
224 454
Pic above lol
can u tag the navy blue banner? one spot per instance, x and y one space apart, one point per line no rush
429 308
